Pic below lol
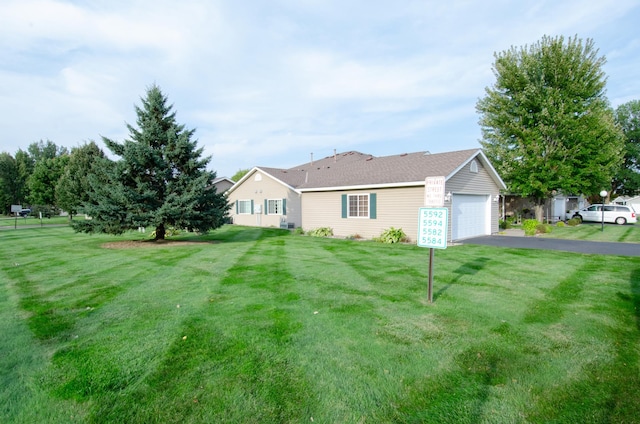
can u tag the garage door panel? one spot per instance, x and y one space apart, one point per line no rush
469 216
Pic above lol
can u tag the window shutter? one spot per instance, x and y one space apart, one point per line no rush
236 207
284 206
372 205
251 206
344 205
266 207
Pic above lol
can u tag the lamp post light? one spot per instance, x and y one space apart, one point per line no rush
603 194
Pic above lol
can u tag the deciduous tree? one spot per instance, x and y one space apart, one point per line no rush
238 175
627 179
546 123
8 182
43 180
72 189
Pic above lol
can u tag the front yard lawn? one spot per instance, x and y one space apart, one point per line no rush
629 233
261 326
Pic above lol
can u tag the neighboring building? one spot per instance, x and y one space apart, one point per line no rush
630 201
560 207
359 194
223 184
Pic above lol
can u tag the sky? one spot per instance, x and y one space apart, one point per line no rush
270 82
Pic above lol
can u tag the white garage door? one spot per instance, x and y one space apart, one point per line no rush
470 216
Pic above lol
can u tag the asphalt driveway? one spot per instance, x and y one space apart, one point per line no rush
578 246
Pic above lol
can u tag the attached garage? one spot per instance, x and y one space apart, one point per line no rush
470 216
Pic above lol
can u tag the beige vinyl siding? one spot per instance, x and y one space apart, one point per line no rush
467 182
395 207
259 191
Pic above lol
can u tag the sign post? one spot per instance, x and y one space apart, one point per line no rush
15 209
433 223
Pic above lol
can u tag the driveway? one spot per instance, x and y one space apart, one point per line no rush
578 246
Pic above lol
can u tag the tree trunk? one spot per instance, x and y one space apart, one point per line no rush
539 210
160 232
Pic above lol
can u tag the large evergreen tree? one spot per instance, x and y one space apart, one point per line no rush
546 123
159 181
627 179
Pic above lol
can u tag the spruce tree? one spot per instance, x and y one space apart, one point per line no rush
159 181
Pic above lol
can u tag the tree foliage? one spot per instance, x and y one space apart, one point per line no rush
238 175
627 179
42 150
546 123
72 189
159 181
43 180
8 179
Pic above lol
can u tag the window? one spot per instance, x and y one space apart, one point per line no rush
274 207
244 207
473 167
358 206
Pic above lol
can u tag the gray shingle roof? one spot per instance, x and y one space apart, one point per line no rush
358 169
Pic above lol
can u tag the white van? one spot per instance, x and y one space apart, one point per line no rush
618 214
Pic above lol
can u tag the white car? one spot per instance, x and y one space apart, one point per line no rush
619 214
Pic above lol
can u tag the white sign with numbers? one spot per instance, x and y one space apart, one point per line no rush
432 227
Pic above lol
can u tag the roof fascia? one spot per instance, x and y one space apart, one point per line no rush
242 180
257 169
363 186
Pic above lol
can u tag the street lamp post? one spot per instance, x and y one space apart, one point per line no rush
603 193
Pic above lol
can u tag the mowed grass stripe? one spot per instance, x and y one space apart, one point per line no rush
210 365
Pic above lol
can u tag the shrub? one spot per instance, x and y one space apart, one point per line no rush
392 235
298 231
530 227
505 224
560 224
573 222
543 228
321 232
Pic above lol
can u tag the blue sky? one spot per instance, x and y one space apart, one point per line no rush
267 83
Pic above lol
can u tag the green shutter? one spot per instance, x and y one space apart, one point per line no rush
251 206
344 205
372 206
284 206
266 210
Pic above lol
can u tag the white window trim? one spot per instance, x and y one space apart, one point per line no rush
269 204
248 202
349 216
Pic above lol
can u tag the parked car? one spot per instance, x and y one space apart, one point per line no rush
24 212
618 214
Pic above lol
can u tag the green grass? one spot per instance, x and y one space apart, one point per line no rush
258 325
629 233
31 221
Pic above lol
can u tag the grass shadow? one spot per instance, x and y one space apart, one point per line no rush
467 268
635 294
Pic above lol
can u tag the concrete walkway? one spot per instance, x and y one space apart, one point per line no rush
513 239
